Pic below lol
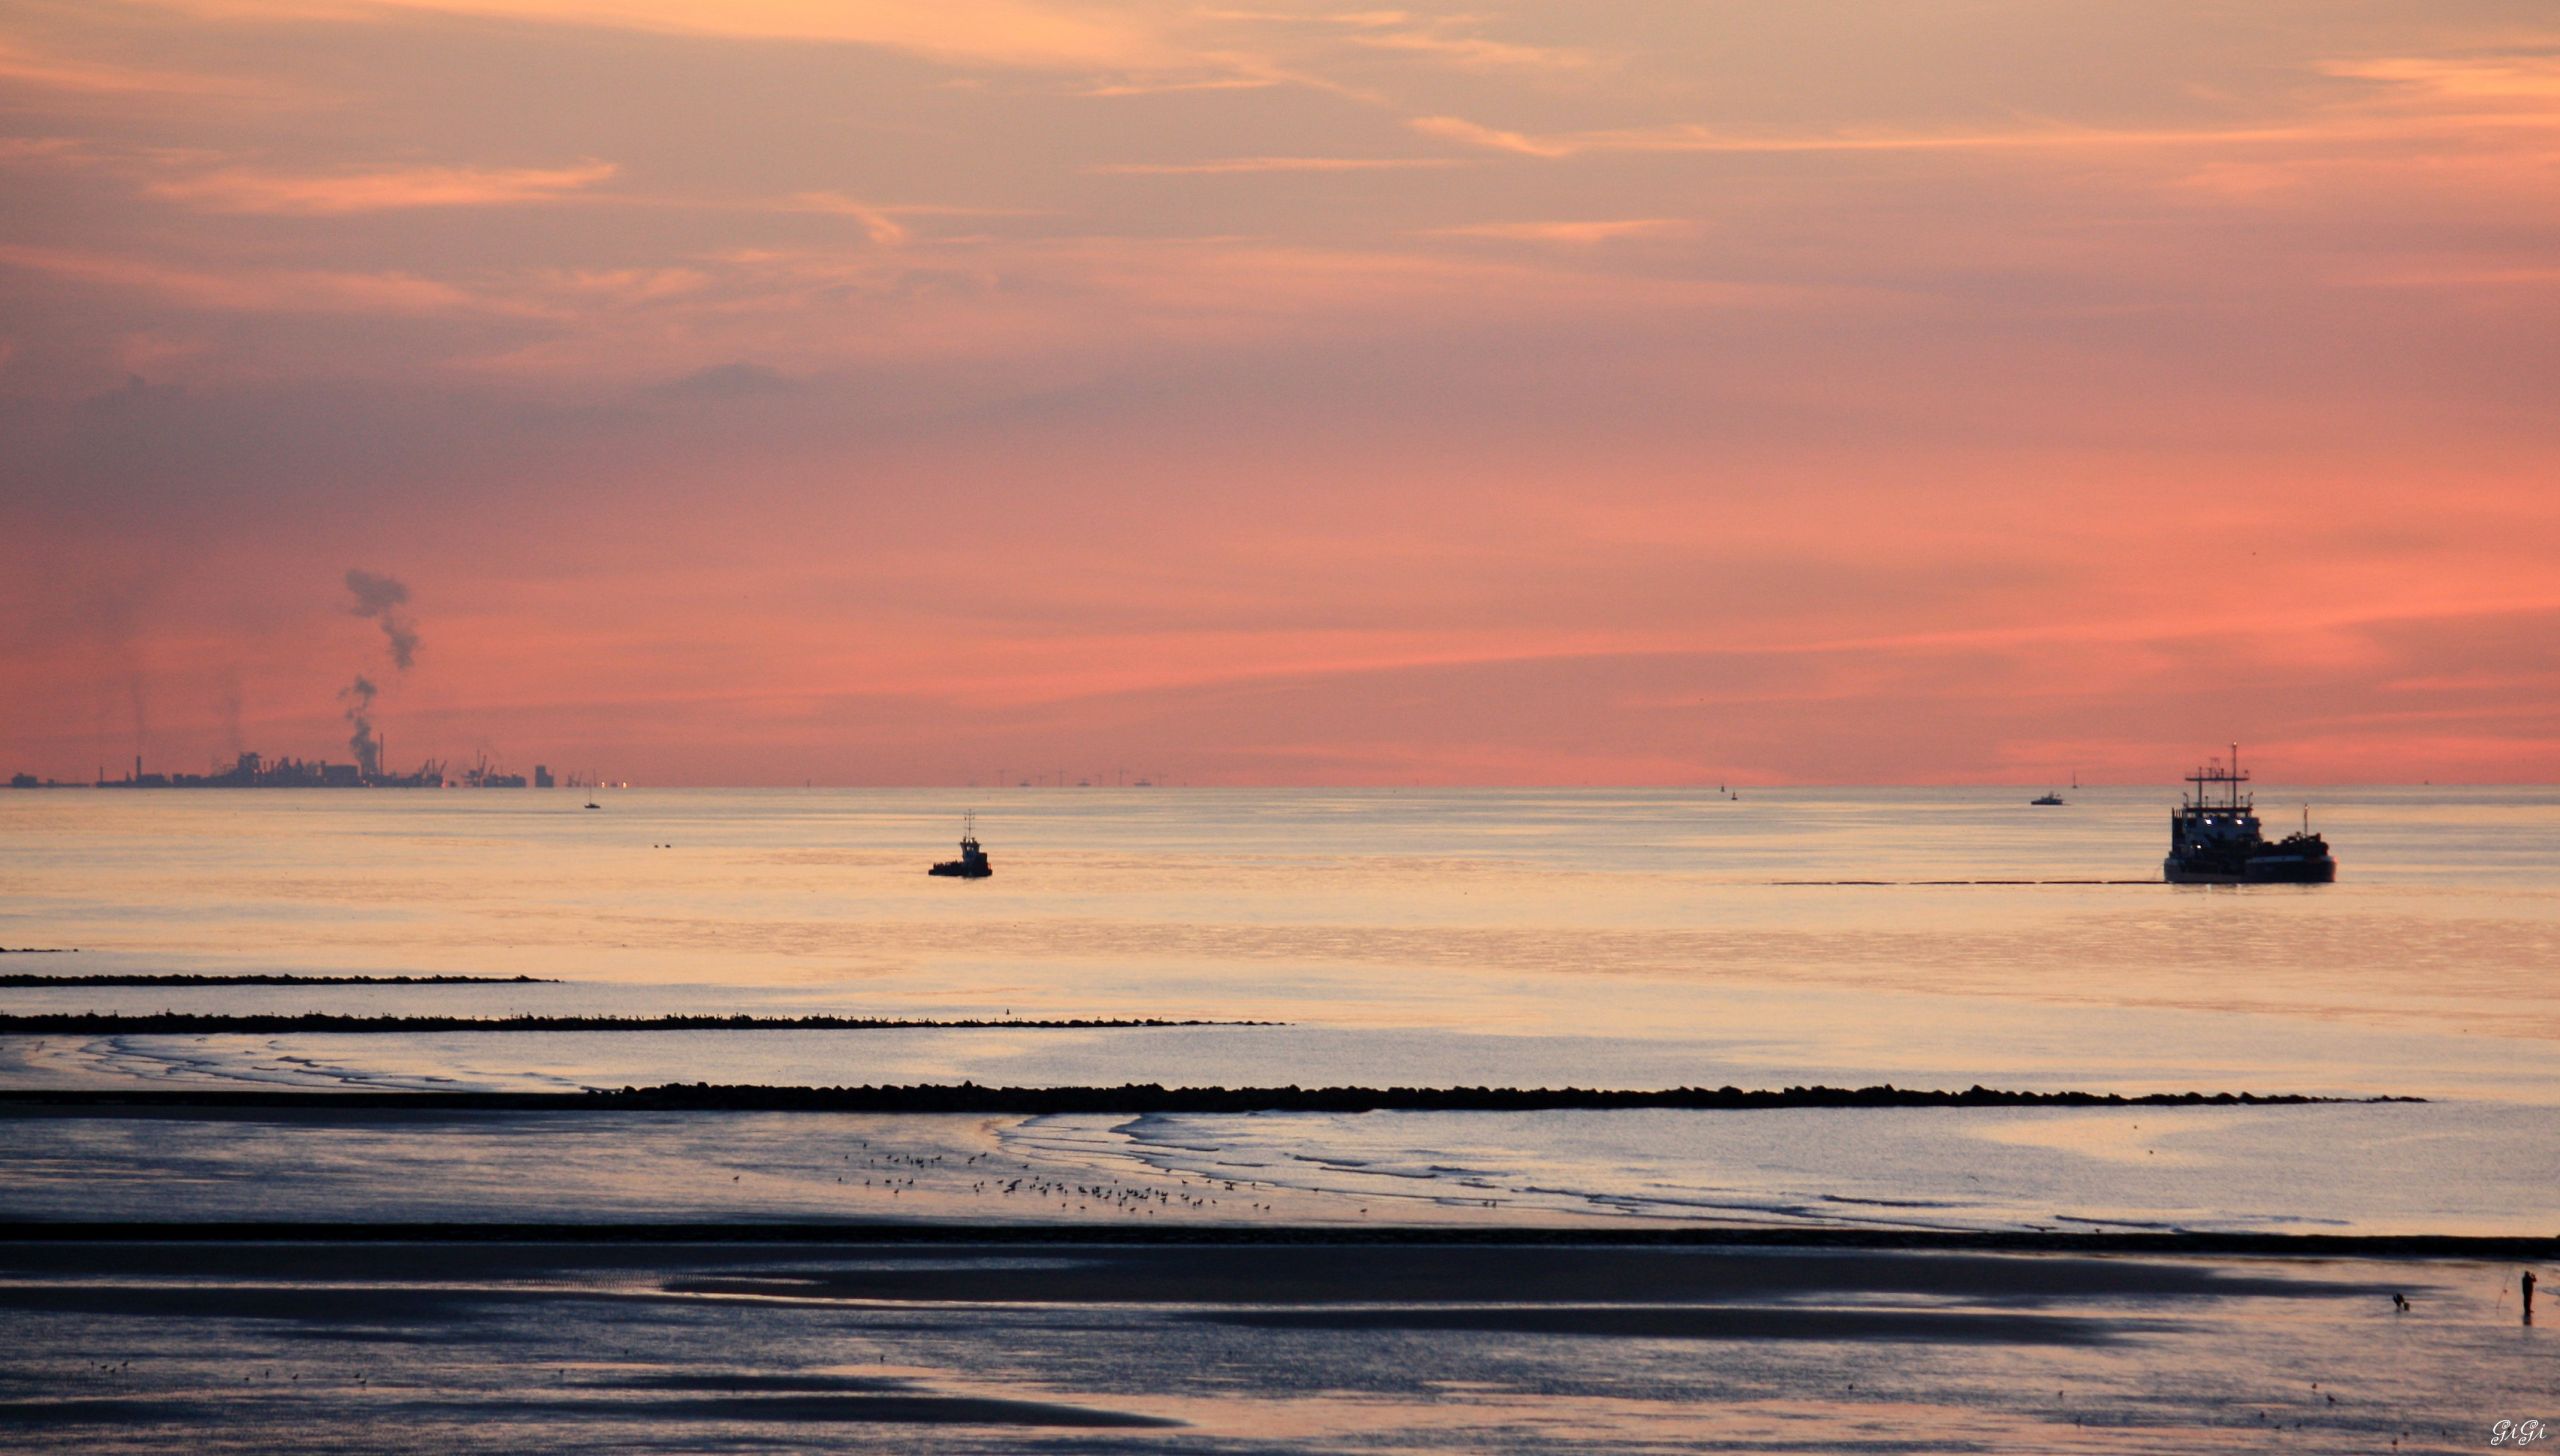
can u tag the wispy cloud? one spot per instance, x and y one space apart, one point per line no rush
1015 33
1690 137
2469 78
1218 165
44 151
1366 18
623 286
240 189
2461 275
876 222
883 222
1451 40
1576 233
1162 88
253 289
29 67
1459 129
1476 52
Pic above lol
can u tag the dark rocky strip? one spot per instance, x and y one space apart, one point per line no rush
260 978
1887 884
1132 1099
191 1023
836 1235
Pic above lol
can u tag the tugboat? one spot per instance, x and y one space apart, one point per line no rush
972 863
2214 838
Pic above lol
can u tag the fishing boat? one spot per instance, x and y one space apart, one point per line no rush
2215 839
972 863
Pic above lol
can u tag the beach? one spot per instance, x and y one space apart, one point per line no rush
1233 1345
1089 726
1254 1123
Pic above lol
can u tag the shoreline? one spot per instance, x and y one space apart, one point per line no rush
950 1232
30 980
1132 1098
193 1023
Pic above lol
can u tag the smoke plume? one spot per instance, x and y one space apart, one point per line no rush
380 597
358 696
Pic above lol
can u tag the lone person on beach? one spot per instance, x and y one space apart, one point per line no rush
2526 1284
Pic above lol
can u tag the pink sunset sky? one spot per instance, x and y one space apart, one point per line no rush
1564 392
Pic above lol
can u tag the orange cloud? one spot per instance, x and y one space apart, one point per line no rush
1223 165
989 32
1459 129
30 67
2531 78
1690 137
240 189
2198 380
1582 233
1476 52
1356 18
1162 88
883 229
253 289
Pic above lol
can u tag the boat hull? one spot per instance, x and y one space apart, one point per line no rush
2271 870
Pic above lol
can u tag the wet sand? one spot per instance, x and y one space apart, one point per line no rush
194 1023
1562 1242
18 981
1132 1098
1235 1344
2010 1177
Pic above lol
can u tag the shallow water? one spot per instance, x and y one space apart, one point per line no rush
2388 1169
1608 918
1596 938
1599 938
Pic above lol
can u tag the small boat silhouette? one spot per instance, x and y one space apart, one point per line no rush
972 863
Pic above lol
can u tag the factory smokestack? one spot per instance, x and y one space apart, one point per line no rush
380 598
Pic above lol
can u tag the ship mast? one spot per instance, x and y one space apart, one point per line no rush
2226 773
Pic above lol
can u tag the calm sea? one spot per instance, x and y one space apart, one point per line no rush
1617 938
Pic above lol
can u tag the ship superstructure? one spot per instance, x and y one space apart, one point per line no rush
2215 837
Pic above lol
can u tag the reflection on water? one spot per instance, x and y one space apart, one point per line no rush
1587 922
1598 939
1634 939
2440 1168
1790 1040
